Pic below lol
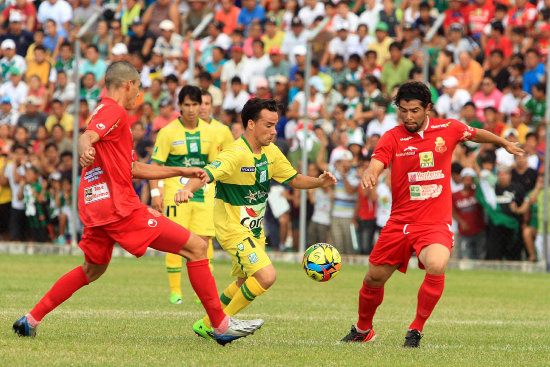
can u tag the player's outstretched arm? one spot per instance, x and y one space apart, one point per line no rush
86 152
183 195
156 172
326 179
370 177
484 136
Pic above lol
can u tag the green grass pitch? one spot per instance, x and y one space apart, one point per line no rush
485 318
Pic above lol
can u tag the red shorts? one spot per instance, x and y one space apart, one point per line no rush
397 242
143 228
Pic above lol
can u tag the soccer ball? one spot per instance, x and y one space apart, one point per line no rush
321 262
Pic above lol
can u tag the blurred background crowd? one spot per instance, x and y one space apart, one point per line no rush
485 65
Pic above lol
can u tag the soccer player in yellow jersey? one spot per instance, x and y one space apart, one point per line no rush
205 113
185 142
243 172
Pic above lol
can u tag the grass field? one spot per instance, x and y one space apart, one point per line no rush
124 319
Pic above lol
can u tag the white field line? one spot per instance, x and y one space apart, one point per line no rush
324 317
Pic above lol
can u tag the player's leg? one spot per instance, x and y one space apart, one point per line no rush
435 258
370 297
97 248
173 267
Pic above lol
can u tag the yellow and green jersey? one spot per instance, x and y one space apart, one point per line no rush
242 187
225 137
178 146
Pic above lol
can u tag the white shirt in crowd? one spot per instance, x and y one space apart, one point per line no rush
504 158
231 69
61 12
509 102
347 47
450 106
10 118
313 107
380 128
308 15
17 94
344 202
255 69
290 41
321 207
16 61
170 48
370 17
14 185
351 19
236 103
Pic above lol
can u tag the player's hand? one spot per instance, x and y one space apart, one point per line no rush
369 180
195 172
182 196
87 158
327 179
513 148
157 203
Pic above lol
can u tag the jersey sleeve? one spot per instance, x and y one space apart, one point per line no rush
385 149
161 148
224 166
226 138
105 120
462 131
283 172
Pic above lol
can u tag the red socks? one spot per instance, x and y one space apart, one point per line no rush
369 300
428 295
60 292
204 286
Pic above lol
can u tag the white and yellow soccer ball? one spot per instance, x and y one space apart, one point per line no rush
321 262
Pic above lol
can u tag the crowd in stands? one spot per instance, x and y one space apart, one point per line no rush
486 68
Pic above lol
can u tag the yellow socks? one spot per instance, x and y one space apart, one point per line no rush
173 266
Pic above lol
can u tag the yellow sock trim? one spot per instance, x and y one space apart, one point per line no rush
248 293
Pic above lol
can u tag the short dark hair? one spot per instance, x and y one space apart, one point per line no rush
65 154
259 41
456 168
91 45
370 52
19 146
338 58
534 51
355 57
253 107
205 75
415 70
56 101
58 125
541 87
236 80
191 91
469 104
531 135
204 92
497 26
397 45
424 6
497 52
489 108
172 78
66 44
40 48
49 145
414 90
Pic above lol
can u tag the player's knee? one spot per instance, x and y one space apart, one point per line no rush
375 280
195 249
93 271
266 276
436 267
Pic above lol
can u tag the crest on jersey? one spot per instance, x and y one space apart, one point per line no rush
426 159
440 145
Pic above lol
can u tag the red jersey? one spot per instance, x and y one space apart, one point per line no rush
105 193
504 45
479 17
421 169
470 211
520 17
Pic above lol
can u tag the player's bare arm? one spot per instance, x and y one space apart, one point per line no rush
151 172
484 136
370 177
326 179
157 200
192 185
86 152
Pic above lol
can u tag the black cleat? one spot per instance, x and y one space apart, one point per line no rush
357 337
412 339
22 328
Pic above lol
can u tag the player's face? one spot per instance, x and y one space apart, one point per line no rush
133 93
189 110
205 110
413 115
264 129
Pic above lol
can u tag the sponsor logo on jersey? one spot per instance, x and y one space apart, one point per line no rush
252 217
215 164
100 126
193 162
114 126
253 258
96 193
410 149
93 174
426 176
152 223
423 192
248 169
426 159
178 142
253 196
263 176
440 145
466 135
441 125
406 139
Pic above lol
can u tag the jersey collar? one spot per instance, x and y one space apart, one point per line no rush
421 133
248 145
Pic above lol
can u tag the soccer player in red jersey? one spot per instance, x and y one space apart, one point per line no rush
420 152
111 211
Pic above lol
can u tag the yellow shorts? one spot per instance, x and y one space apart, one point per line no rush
196 217
248 256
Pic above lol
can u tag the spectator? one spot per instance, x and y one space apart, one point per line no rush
236 98
103 39
536 105
345 197
155 95
311 10
468 115
382 43
396 70
15 88
157 12
83 113
468 72
66 63
167 114
344 18
119 52
479 14
206 83
319 227
469 215
492 122
14 174
531 226
315 108
382 121
20 9
296 37
228 15
515 98
16 32
455 15
60 139
256 65
391 17
42 68
8 116
531 143
11 59
523 175
215 66
89 90
497 69
523 14
503 158
250 12
59 116
94 64
85 10
273 36
53 39
535 70
168 45
498 41
279 67
411 40
366 215
139 40
345 44
32 118
371 15
458 43
58 10
33 195
517 117
488 96
234 67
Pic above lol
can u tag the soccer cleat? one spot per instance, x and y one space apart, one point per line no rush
412 339
175 299
238 329
357 337
201 330
22 328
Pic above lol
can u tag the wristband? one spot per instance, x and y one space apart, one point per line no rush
161 183
155 193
